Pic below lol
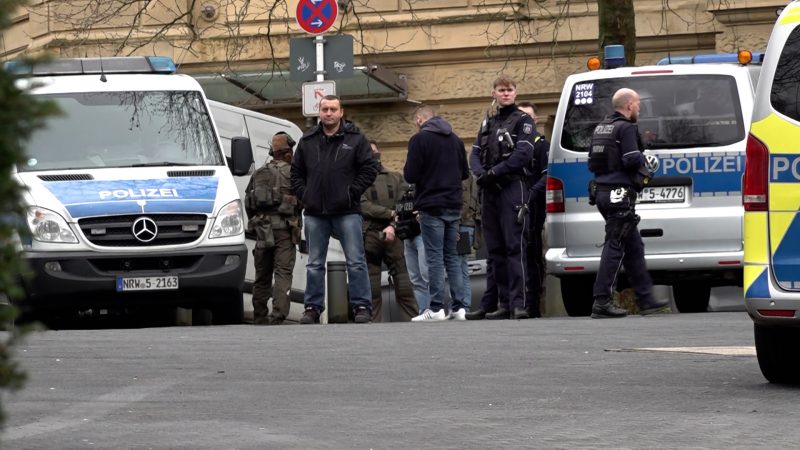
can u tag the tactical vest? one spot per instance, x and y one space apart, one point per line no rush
497 150
383 192
604 153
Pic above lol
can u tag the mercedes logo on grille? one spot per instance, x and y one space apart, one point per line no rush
144 229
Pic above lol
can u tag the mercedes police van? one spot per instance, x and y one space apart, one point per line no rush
695 113
771 204
130 200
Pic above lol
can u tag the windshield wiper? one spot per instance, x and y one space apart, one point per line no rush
161 163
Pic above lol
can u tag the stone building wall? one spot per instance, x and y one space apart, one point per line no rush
449 50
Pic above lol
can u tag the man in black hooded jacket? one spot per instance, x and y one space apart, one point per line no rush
332 166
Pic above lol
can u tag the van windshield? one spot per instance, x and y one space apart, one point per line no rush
124 129
677 111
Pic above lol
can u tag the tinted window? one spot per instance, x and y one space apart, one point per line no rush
786 84
679 111
124 129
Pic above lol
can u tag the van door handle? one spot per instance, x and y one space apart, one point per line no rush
652 232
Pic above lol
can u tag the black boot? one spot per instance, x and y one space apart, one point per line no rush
520 313
604 308
500 314
478 314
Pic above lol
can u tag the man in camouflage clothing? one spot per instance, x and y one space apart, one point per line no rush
274 217
380 243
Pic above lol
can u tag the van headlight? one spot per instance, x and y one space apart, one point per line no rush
49 226
229 222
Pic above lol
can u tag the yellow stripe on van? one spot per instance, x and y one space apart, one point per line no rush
792 16
779 222
755 238
784 197
779 135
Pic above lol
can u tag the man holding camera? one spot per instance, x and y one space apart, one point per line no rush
381 245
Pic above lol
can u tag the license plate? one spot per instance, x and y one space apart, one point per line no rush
125 284
662 194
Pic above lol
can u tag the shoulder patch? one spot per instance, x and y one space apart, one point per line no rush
527 128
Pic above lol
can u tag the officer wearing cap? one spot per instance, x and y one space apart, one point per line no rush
620 170
380 243
500 160
274 217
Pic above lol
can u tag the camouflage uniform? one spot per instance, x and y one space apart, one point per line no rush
274 217
377 205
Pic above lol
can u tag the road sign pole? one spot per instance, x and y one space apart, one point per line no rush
319 41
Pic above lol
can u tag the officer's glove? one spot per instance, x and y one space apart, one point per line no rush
651 162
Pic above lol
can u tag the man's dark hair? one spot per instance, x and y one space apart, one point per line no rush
528 105
332 97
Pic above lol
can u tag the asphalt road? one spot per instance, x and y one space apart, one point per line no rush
545 383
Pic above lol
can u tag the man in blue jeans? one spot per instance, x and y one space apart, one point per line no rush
332 166
436 164
417 267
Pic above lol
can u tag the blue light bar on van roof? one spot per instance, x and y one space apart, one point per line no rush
88 66
758 58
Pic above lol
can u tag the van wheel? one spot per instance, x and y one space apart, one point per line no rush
576 293
691 297
778 351
229 311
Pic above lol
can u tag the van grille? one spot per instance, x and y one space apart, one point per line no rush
190 173
116 231
67 177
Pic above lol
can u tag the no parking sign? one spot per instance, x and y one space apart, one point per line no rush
316 16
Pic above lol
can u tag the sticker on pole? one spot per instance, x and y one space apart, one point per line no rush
313 93
316 16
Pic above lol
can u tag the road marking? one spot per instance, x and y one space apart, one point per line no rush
722 351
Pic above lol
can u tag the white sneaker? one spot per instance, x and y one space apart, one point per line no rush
430 316
459 314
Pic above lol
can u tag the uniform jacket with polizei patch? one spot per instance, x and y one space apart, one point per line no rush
330 173
380 199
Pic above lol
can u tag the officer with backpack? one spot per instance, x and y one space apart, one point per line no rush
274 217
500 160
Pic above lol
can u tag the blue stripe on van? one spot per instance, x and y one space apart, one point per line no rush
760 287
113 197
718 173
784 168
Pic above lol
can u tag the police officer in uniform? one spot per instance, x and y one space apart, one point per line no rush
499 159
620 170
536 206
380 243
274 217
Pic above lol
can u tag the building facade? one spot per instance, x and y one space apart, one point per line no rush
445 53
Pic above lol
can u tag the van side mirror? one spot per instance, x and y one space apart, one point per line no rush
241 156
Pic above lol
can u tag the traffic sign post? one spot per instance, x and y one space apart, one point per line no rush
316 16
313 93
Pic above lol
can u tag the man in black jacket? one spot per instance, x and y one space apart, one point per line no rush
437 164
331 169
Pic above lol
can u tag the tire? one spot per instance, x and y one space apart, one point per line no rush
691 297
230 311
778 351
576 293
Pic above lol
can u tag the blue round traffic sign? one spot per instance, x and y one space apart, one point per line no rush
316 16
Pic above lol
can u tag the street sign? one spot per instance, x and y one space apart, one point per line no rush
313 93
338 58
316 16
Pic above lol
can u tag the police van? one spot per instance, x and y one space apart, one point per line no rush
130 200
771 202
694 116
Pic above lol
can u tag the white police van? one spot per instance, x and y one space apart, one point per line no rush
130 201
694 117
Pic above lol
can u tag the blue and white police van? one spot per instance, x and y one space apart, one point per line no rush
130 199
695 114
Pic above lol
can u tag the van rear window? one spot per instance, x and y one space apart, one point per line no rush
677 111
785 95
